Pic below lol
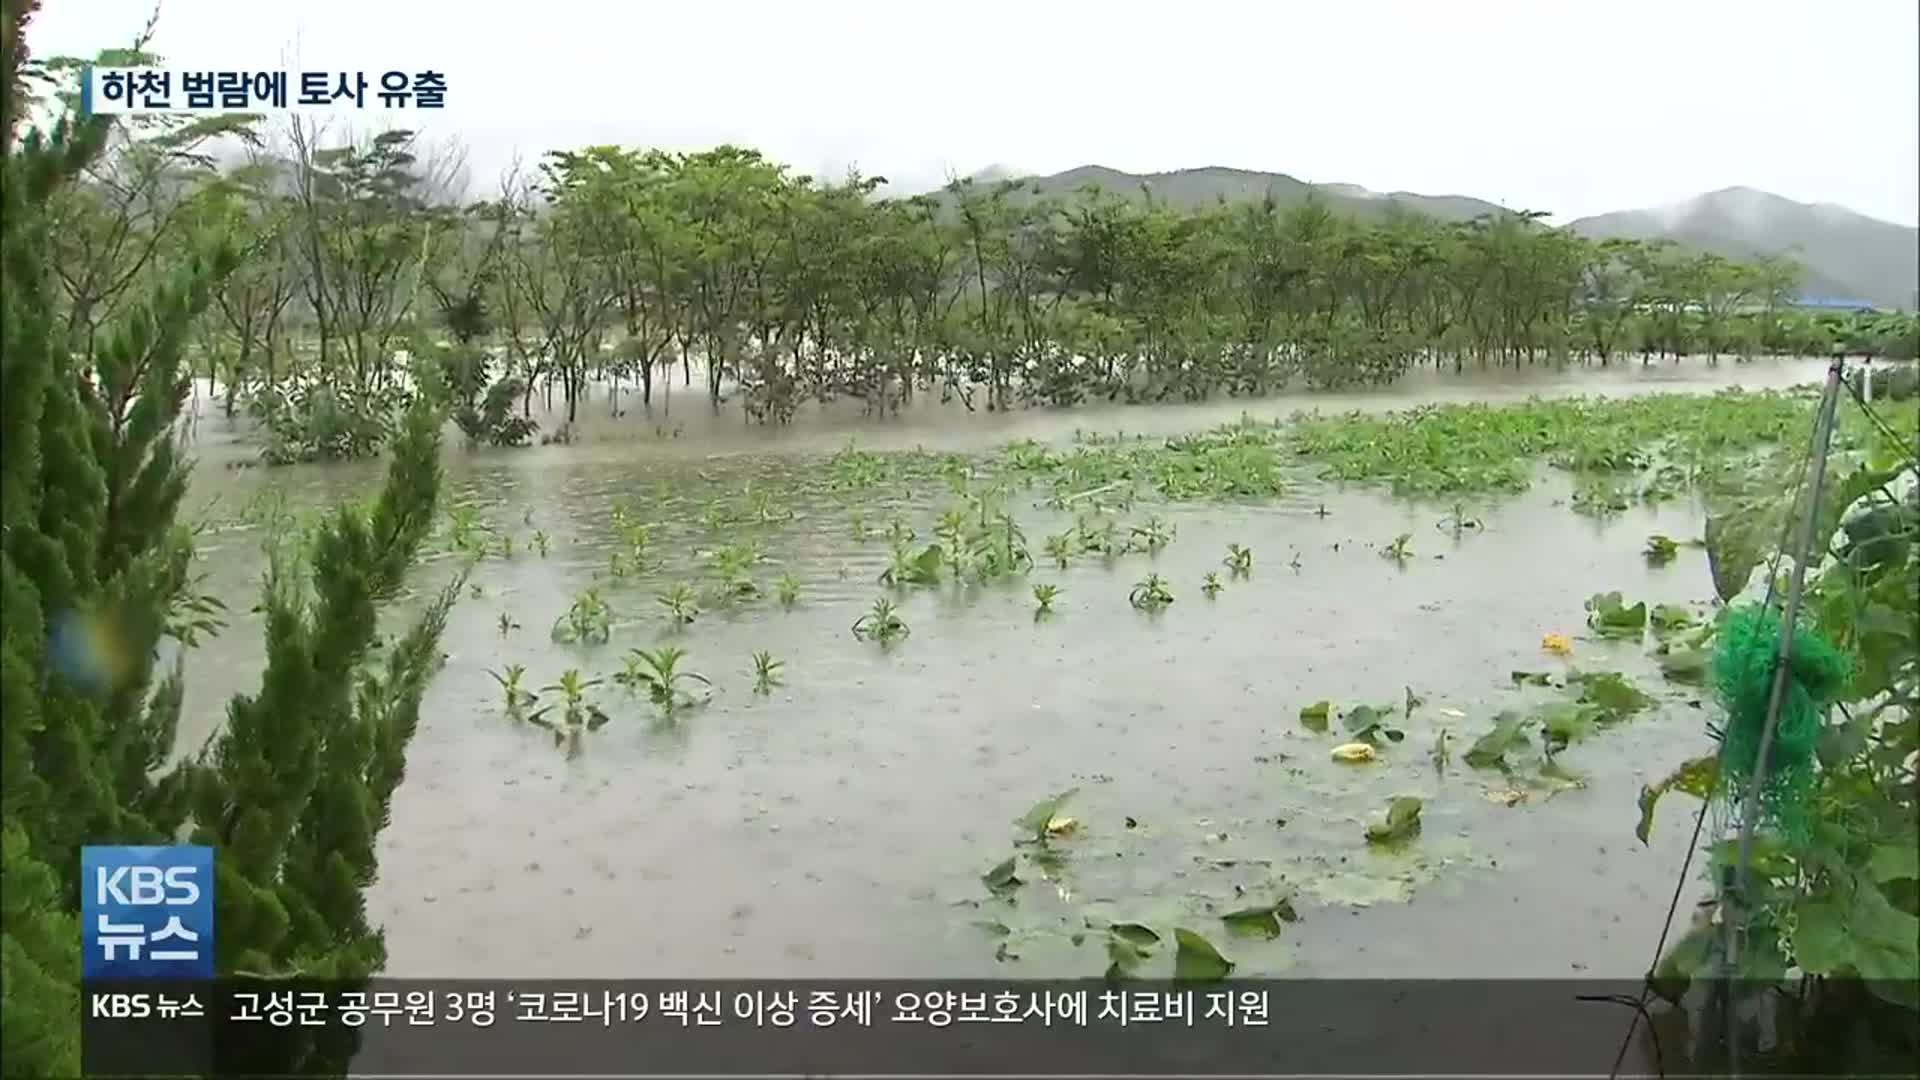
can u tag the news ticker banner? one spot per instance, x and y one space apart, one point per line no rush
499 1028
134 91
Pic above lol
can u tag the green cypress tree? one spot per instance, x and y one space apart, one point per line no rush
94 566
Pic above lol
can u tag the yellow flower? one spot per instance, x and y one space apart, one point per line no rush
1557 644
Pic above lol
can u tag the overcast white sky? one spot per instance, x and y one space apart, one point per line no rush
1567 106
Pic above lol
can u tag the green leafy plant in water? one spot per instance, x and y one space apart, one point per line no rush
1151 536
1239 560
1661 550
1398 824
1601 498
1195 959
1001 548
1314 717
577 714
541 542
637 538
786 590
1670 619
657 673
506 544
1043 818
1609 616
1262 921
951 528
1400 550
1458 521
766 672
1129 944
857 524
681 603
908 567
1509 735
507 624
899 533
882 624
1150 593
1003 877
1097 536
464 528
1371 724
1442 752
1043 598
1211 585
733 565
1696 777
588 620
516 696
1060 547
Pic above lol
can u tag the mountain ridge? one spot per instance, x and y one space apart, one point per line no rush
1845 254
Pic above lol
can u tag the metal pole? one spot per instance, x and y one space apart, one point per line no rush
1734 902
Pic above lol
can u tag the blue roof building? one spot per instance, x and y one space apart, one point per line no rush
1824 303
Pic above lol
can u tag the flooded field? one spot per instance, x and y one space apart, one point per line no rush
848 821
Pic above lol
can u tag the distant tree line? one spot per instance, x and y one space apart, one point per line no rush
614 266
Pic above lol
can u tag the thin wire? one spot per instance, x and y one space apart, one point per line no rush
1899 442
1700 817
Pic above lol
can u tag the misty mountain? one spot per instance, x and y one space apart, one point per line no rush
1190 188
1846 255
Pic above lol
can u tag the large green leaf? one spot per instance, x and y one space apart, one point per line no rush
1610 617
1894 862
1401 822
1695 777
1509 735
1033 824
1611 693
1260 922
1195 959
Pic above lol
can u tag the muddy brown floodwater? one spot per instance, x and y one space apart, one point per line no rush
839 827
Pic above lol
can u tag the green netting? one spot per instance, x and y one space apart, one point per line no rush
1743 667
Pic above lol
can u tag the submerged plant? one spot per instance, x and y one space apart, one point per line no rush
1660 550
588 620
1043 598
786 590
1400 550
881 624
681 604
517 697
506 545
766 672
1457 520
541 541
1150 593
733 565
1151 536
507 624
1211 585
1239 560
907 567
1060 548
577 714
464 527
657 673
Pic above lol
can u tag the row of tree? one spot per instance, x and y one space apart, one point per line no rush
608 265
97 575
